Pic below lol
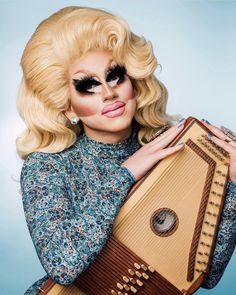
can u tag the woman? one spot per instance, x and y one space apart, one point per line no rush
92 105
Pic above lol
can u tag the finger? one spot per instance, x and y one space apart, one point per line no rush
167 132
165 141
168 151
173 130
232 143
215 130
225 145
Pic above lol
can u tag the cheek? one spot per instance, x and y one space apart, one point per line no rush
127 90
84 105
84 110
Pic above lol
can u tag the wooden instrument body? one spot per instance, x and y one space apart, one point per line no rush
140 257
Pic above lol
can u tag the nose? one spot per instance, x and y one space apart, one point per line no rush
108 91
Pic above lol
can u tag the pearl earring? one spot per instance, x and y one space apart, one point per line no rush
74 120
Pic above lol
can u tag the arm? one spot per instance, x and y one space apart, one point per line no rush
67 242
226 239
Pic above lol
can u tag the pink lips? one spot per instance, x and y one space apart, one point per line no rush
112 107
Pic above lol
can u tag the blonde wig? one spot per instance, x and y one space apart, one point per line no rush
44 92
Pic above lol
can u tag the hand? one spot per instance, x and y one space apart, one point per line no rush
152 152
230 147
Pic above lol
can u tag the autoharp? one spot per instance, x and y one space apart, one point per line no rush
163 238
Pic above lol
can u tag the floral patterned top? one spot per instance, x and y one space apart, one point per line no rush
72 198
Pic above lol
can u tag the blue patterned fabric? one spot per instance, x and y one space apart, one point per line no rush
71 199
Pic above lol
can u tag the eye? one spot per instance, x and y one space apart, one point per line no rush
116 75
87 85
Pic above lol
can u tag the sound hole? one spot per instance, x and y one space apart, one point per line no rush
164 222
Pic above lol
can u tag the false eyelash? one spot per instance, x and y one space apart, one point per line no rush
116 71
82 85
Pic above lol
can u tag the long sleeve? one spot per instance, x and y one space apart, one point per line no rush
226 239
67 241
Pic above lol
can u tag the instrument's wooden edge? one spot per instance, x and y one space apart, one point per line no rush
202 209
215 236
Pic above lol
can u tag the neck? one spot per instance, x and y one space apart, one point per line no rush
108 136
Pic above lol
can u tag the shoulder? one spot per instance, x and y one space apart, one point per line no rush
46 164
37 159
41 167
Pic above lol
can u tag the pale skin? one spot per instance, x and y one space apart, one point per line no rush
88 108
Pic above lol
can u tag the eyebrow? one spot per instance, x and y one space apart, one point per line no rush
91 73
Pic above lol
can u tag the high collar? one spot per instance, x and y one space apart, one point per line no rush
119 151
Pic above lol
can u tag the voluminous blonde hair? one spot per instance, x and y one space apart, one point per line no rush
44 92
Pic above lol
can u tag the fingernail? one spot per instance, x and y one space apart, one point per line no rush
181 120
180 125
181 143
204 120
209 136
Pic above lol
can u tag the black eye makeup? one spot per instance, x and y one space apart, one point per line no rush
86 84
116 73
89 85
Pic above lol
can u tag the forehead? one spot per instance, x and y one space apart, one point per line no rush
94 62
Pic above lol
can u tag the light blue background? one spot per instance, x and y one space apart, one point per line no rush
195 43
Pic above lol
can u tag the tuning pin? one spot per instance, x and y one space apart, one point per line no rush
137 266
138 274
139 283
205 244
125 279
132 280
144 267
146 277
120 286
127 288
151 269
131 272
132 289
200 270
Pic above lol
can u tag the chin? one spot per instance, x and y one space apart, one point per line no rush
119 125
